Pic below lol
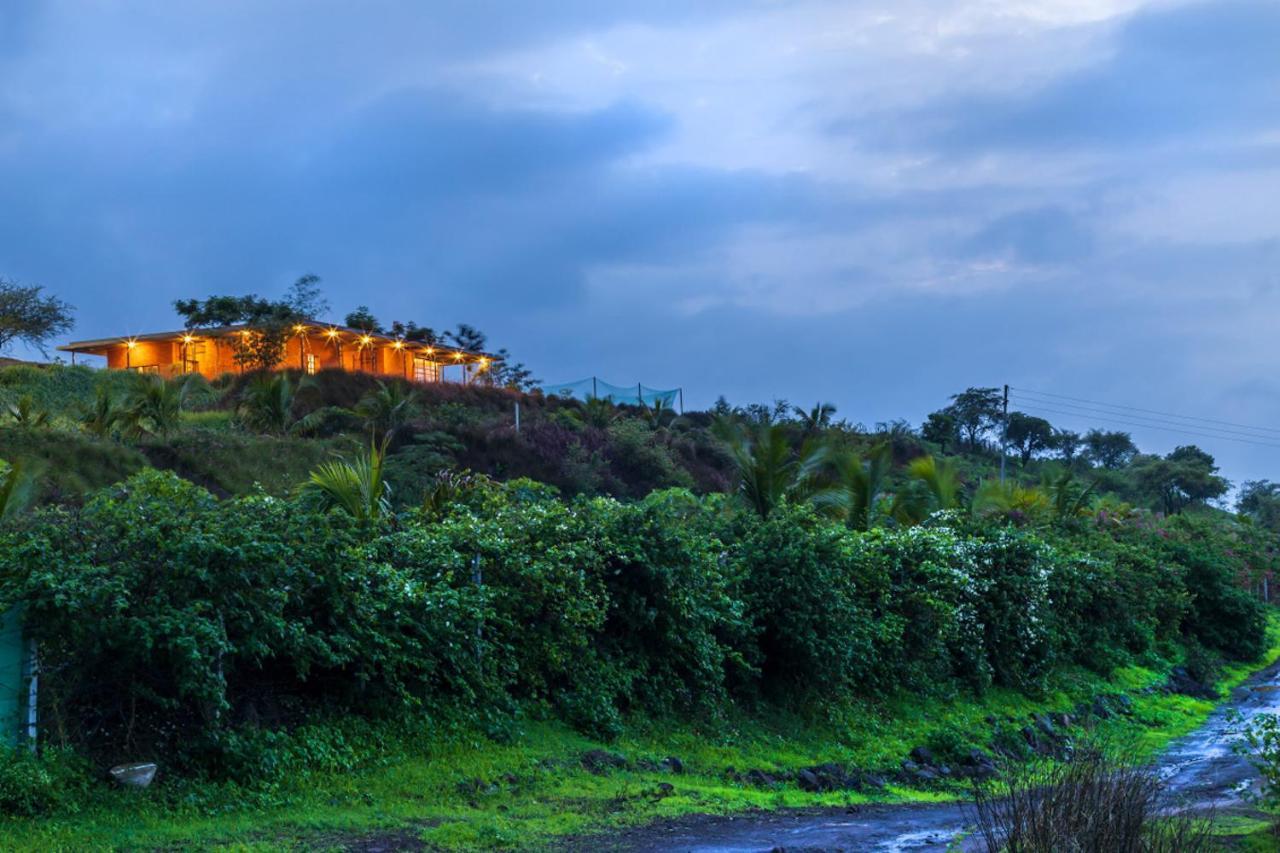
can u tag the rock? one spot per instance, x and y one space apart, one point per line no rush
760 779
1100 708
1044 724
665 789
672 764
1180 681
809 781
600 761
1029 735
1061 719
977 765
922 755
874 781
138 775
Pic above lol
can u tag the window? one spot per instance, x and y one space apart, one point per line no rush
425 370
311 363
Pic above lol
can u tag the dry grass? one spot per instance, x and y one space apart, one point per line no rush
1091 804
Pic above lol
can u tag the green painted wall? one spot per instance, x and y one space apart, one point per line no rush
12 683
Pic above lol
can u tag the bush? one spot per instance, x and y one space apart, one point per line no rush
32 786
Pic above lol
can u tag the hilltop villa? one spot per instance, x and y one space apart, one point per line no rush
311 347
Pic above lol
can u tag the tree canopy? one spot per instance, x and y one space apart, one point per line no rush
27 315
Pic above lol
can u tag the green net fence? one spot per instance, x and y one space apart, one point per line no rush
595 388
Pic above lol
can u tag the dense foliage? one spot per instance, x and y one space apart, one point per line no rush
175 624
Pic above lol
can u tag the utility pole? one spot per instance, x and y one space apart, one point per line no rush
1004 434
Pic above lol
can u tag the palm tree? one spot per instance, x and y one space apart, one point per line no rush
155 406
388 408
858 485
104 415
937 486
357 487
268 401
1012 500
816 419
659 414
1069 500
15 488
26 414
770 470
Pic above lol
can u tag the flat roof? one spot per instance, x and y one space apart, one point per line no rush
328 330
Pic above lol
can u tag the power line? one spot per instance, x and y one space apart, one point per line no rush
1154 423
1148 411
1149 426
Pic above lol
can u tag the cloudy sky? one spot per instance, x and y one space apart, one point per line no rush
872 203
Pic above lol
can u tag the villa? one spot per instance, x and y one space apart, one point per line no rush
311 347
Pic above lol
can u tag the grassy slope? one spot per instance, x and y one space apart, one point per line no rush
533 788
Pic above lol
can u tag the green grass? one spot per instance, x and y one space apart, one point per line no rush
533 787
228 462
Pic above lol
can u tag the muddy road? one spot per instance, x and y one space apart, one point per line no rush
1200 770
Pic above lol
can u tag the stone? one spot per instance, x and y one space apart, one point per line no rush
136 775
665 789
922 755
600 761
760 779
672 764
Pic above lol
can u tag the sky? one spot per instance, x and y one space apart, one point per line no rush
875 204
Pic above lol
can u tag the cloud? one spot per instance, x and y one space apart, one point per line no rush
1203 69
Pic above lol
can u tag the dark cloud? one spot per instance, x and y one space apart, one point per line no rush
1198 70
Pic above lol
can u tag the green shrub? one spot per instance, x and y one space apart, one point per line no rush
31 786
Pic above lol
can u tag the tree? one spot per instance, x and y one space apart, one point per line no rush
388 408
1110 449
1260 500
1028 434
30 317
1067 443
976 411
1185 477
467 338
357 487
859 485
267 325
155 406
816 419
941 429
411 331
362 318
506 372
770 470
305 298
268 402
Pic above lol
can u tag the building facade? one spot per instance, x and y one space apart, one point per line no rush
310 347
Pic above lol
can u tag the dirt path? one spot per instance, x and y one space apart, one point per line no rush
1200 769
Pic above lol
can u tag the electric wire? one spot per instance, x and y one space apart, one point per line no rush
1089 417
1147 411
1147 421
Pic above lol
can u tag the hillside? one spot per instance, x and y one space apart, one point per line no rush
742 601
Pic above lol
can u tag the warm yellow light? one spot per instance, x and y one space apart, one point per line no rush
366 340
333 333
457 356
245 333
186 339
430 350
131 343
299 328
398 345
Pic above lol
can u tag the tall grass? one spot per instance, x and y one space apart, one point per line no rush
1090 803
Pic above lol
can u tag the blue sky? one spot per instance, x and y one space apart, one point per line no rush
872 203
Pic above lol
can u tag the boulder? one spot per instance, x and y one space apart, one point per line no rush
922 755
600 761
136 775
